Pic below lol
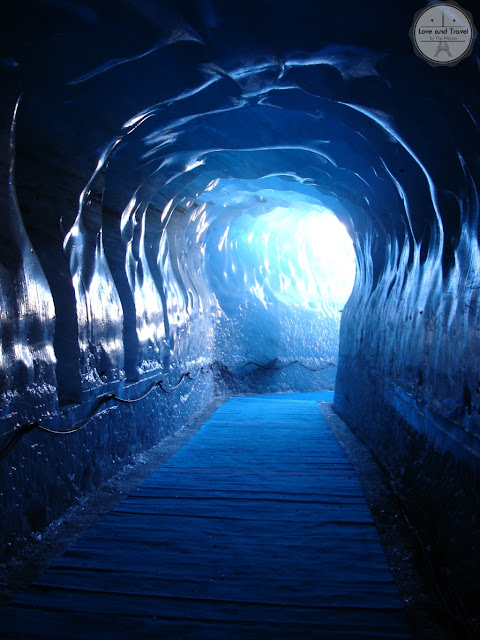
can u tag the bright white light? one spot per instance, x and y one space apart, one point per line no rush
328 253
305 258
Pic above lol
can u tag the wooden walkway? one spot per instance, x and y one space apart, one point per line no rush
256 528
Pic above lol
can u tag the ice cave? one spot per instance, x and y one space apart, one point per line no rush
205 199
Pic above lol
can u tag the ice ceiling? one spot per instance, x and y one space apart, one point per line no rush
149 141
144 144
154 157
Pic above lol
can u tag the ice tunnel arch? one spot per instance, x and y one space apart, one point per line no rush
334 121
176 157
121 133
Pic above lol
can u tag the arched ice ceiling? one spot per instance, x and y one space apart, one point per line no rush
131 114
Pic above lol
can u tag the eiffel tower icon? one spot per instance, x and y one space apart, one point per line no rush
443 46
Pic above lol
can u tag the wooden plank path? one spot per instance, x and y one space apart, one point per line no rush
256 528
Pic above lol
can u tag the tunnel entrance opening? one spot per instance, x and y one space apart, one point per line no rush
298 256
280 275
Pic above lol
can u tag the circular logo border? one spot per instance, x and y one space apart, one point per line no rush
421 54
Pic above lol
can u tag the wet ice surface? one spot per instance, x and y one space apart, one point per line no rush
139 150
225 137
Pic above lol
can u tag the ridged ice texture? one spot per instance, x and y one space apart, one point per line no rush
27 359
132 116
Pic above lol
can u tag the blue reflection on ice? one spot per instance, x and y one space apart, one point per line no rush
301 256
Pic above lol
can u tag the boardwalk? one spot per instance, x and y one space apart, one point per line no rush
256 528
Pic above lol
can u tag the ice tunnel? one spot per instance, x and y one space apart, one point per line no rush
167 166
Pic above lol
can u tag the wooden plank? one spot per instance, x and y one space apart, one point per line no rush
256 528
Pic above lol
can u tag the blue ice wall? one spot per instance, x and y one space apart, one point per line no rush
125 129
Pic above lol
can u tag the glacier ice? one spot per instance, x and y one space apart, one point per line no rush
146 136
